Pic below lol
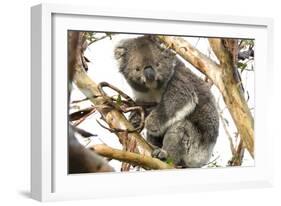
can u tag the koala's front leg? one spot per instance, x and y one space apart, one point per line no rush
135 119
184 146
175 144
176 103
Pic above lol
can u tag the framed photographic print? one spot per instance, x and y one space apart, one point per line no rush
135 102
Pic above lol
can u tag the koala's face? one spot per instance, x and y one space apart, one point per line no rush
144 63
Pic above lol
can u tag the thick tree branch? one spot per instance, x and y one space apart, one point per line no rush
143 161
220 51
234 99
222 76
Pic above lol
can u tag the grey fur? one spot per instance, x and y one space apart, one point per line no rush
185 122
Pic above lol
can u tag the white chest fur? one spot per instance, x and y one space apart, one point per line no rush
153 95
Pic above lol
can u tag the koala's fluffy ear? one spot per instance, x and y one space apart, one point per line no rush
119 52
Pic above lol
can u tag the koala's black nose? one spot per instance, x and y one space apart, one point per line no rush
149 73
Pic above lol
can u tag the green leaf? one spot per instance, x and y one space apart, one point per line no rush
241 66
169 161
119 100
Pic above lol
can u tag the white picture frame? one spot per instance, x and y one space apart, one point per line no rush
49 179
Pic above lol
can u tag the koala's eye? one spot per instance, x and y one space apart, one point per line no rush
137 69
157 64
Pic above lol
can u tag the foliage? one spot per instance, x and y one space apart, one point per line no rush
93 37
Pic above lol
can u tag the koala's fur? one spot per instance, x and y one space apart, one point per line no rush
185 123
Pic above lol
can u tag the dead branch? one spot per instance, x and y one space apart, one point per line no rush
80 114
144 161
222 76
80 100
83 132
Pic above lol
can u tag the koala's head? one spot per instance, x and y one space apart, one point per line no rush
144 63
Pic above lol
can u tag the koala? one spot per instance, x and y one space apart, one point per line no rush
184 124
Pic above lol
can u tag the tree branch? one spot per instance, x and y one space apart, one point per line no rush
220 51
144 161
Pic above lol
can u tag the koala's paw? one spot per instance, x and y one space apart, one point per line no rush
160 154
135 119
152 124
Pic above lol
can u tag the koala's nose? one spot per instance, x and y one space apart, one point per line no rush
149 73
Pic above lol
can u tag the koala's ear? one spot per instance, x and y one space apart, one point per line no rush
119 52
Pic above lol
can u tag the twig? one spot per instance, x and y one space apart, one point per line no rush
226 130
98 39
84 117
83 132
81 113
197 42
214 160
78 101
112 130
128 100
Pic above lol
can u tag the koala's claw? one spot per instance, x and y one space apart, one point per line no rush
160 154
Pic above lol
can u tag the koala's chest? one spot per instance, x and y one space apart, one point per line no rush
150 96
